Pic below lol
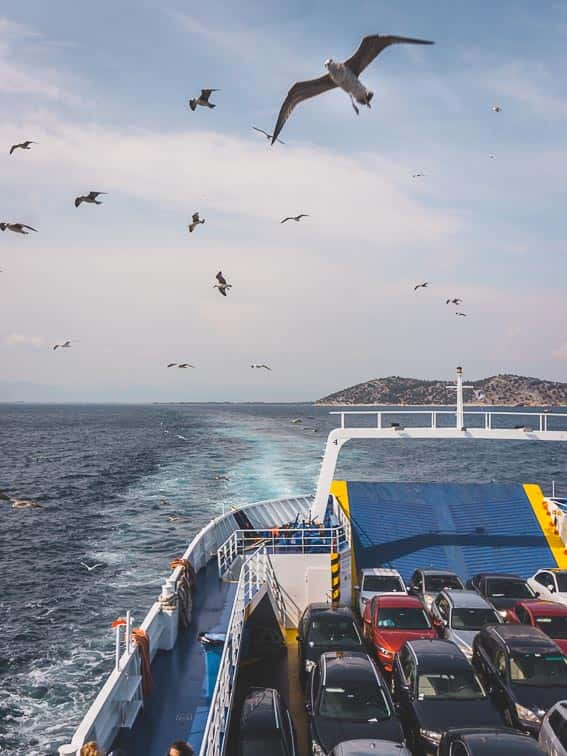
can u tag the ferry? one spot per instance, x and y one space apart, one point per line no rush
226 620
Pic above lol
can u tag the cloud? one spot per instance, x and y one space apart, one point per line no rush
20 339
561 352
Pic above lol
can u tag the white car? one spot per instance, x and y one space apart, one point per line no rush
551 584
378 581
553 731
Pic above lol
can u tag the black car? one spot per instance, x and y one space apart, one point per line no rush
265 725
501 589
362 747
437 688
481 741
322 628
347 698
525 671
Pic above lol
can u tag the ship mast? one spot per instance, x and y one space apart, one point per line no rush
458 387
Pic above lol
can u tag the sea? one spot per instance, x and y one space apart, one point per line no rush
126 487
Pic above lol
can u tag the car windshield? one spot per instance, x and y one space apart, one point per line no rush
544 670
462 684
382 584
555 627
506 588
561 581
335 632
436 583
391 618
251 746
472 619
361 701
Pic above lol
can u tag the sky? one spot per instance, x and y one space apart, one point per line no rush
328 302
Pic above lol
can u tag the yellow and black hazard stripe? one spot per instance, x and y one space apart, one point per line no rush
335 578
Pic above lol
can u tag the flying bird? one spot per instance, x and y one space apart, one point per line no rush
91 567
222 285
65 345
261 366
203 99
22 146
185 365
421 286
462 314
455 301
417 175
295 217
496 109
20 503
17 228
90 197
344 75
195 222
172 364
492 157
265 133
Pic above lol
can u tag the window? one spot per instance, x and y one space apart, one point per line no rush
559 727
382 584
506 588
555 627
523 615
443 608
391 618
538 669
436 583
363 702
462 684
408 667
500 664
458 749
417 581
473 619
561 578
333 632
544 578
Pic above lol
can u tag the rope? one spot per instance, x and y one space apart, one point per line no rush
142 641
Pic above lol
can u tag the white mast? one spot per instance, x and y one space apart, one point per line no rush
460 418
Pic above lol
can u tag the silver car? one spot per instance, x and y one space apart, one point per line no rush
553 732
459 615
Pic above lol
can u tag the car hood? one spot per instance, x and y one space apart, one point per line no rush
463 637
534 697
395 639
503 603
329 732
442 714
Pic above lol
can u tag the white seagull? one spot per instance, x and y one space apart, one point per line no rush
65 345
496 109
22 146
455 301
265 133
185 365
266 367
91 198
421 286
17 228
295 217
222 285
462 314
203 99
92 567
195 222
344 75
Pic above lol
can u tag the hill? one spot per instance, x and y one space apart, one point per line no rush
500 390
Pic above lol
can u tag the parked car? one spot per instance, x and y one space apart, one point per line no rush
347 698
553 732
378 581
501 589
525 671
389 621
459 615
437 688
365 747
482 741
550 584
547 615
322 628
265 725
428 583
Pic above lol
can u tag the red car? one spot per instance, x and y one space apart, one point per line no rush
389 621
549 616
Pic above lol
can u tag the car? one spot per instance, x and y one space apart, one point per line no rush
525 671
428 583
347 698
378 581
324 628
483 741
547 615
389 621
550 584
365 747
501 589
266 725
437 688
553 732
459 615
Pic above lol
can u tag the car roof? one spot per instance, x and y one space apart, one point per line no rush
431 571
501 740
398 600
338 611
522 637
434 654
258 712
340 666
379 571
507 575
556 570
363 747
541 608
466 599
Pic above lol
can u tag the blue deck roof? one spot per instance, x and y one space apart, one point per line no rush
466 528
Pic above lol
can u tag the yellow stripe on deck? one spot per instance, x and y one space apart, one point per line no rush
556 546
339 489
296 698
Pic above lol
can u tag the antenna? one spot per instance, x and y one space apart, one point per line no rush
458 387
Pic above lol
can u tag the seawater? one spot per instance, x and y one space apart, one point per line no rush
109 478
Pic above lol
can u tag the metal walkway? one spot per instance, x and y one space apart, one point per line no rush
466 528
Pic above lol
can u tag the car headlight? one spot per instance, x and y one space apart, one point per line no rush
527 715
385 652
316 749
503 613
431 735
309 665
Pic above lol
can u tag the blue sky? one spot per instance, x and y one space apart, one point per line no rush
328 302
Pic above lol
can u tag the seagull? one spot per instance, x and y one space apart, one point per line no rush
172 364
203 99
20 503
221 477
265 133
17 228
417 175
455 301
295 217
222 285
492 157
496 109
261 366
344 75
421 286
90 568
65 345
185 365
196 221
22 146
462 314
90 197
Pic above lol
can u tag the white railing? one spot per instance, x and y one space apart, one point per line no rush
257 572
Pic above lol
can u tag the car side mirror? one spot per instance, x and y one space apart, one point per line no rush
537 594
550 588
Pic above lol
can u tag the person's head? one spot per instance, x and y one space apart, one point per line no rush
91 749
180 748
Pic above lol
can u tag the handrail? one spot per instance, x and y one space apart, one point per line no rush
541 417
